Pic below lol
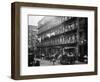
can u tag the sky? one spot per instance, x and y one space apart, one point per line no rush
33 20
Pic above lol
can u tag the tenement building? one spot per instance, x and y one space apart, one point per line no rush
61 35
32 41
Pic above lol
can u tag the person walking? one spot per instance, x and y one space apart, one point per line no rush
42 56
53 59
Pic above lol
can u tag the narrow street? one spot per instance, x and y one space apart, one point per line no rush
46 62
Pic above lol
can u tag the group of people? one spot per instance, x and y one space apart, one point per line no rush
52 58
61 58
